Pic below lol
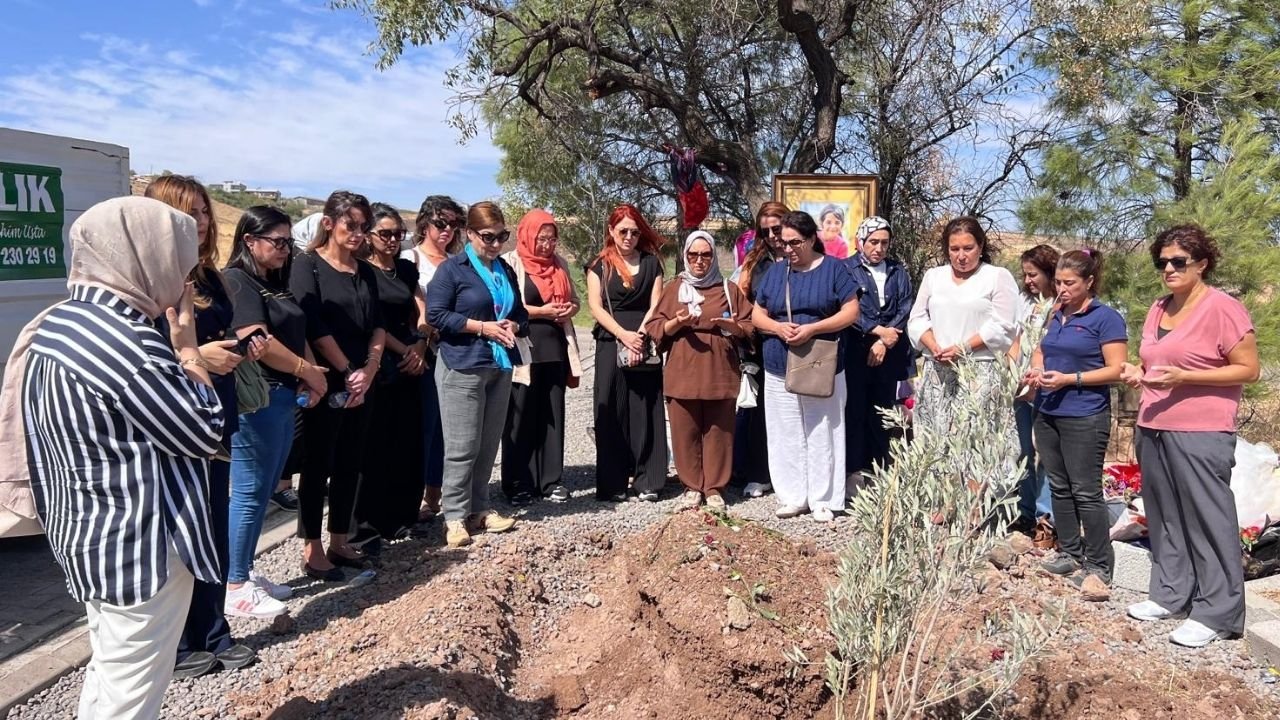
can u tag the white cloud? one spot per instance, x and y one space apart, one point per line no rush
305 117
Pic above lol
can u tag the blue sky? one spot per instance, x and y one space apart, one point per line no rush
274 93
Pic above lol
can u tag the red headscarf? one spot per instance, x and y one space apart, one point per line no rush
650 241
548 273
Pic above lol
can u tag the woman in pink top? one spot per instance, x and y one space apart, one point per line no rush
1198 351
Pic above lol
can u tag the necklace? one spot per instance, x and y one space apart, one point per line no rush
389 275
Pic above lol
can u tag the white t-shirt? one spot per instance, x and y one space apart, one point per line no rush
879 273
986 304
426 269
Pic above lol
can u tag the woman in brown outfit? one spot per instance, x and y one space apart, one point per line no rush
699 320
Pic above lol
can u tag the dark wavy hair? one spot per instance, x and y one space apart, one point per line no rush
258 220
430 210
1045 258
1199 244
1085 262
970 225
336 208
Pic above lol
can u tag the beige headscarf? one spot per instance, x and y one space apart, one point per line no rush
140 249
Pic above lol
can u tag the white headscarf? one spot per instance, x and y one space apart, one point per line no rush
304 231
689 284
139 249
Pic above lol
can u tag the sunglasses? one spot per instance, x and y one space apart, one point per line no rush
775 231
794 243
704 255
629 232
1179 263
279 243
389 235
492 239
355 228
442 224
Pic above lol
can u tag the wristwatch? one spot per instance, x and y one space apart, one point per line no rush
349 369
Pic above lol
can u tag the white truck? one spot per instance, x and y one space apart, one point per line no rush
46 181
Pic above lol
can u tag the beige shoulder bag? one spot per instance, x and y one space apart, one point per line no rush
811 367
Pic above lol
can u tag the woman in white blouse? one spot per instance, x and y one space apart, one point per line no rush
966 311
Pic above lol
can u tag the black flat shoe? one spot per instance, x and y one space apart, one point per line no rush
521 499
236 657
194 665
615 497
331 575
344 561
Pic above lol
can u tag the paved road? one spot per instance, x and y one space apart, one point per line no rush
34 603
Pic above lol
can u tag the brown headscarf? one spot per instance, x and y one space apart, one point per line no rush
139 249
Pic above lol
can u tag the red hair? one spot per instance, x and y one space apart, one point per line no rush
650 242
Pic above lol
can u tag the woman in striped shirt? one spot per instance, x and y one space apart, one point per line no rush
118 432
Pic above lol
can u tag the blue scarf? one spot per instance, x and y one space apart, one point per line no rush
504 298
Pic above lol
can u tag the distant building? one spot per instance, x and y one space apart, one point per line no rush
233 186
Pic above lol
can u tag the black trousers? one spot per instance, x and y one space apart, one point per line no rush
331 464
206 629
533 441
631 437
866 439
391 475
1072 451
293 464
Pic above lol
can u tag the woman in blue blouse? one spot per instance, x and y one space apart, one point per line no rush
473 304
1081 355
810 296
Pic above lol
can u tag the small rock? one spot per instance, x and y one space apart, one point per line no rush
739 615
1094 590
567 694
1020 544
1001 555
205 712
282 624
1130 634
591 600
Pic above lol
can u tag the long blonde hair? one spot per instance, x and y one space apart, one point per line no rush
180 192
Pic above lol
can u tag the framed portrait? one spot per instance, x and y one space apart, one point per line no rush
836 202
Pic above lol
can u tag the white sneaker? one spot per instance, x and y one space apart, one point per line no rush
824 515
790 511
1148 611
1193 634
690 499
279 592
757 489
251 601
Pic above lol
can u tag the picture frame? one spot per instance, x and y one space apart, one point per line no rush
838 203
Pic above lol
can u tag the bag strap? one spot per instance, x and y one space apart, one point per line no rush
788 292
728 299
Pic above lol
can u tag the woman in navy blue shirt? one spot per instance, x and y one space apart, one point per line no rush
1080 356
473 303
810 296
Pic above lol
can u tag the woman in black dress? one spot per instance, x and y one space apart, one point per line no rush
344 325
391 484
624 283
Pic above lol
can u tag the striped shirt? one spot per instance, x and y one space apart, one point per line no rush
118 441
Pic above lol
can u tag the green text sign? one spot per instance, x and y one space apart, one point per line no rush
31 214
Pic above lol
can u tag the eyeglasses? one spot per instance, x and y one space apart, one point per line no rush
705 255
279 243
441 224
792 244
629 232
1179 263
547 239
389 235
494 239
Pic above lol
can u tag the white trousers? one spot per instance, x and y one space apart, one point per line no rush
806 445
134 650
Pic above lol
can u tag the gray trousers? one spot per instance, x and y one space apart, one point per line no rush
1191 514
473 411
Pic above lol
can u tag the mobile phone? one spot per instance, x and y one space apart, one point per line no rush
242 348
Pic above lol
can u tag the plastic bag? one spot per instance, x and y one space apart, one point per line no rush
1255 483
1132 523
748 388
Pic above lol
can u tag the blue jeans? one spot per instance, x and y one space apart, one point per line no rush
1033 491
433 433
258 453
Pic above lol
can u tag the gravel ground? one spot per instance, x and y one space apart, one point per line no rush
582 528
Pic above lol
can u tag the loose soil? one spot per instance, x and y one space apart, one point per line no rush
689 619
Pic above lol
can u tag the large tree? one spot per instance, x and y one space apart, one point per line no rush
583 96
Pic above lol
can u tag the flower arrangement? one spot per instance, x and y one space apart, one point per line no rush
1249 537
1122 481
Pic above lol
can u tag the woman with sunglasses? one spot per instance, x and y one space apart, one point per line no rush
533 443
344 325
391 481
624 283
206 639
1198 351
439 232
257 276
473 303
751 440
810 296
699 320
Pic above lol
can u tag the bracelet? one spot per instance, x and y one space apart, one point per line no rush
1079 384
302 364
480 331
198 361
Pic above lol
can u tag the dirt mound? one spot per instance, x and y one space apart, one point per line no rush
692 621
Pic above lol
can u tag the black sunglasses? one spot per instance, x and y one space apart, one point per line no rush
775 231
1179 263
794 243
279 243
442 224
492 239
389 235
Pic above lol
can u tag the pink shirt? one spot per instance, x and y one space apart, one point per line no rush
1201 342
